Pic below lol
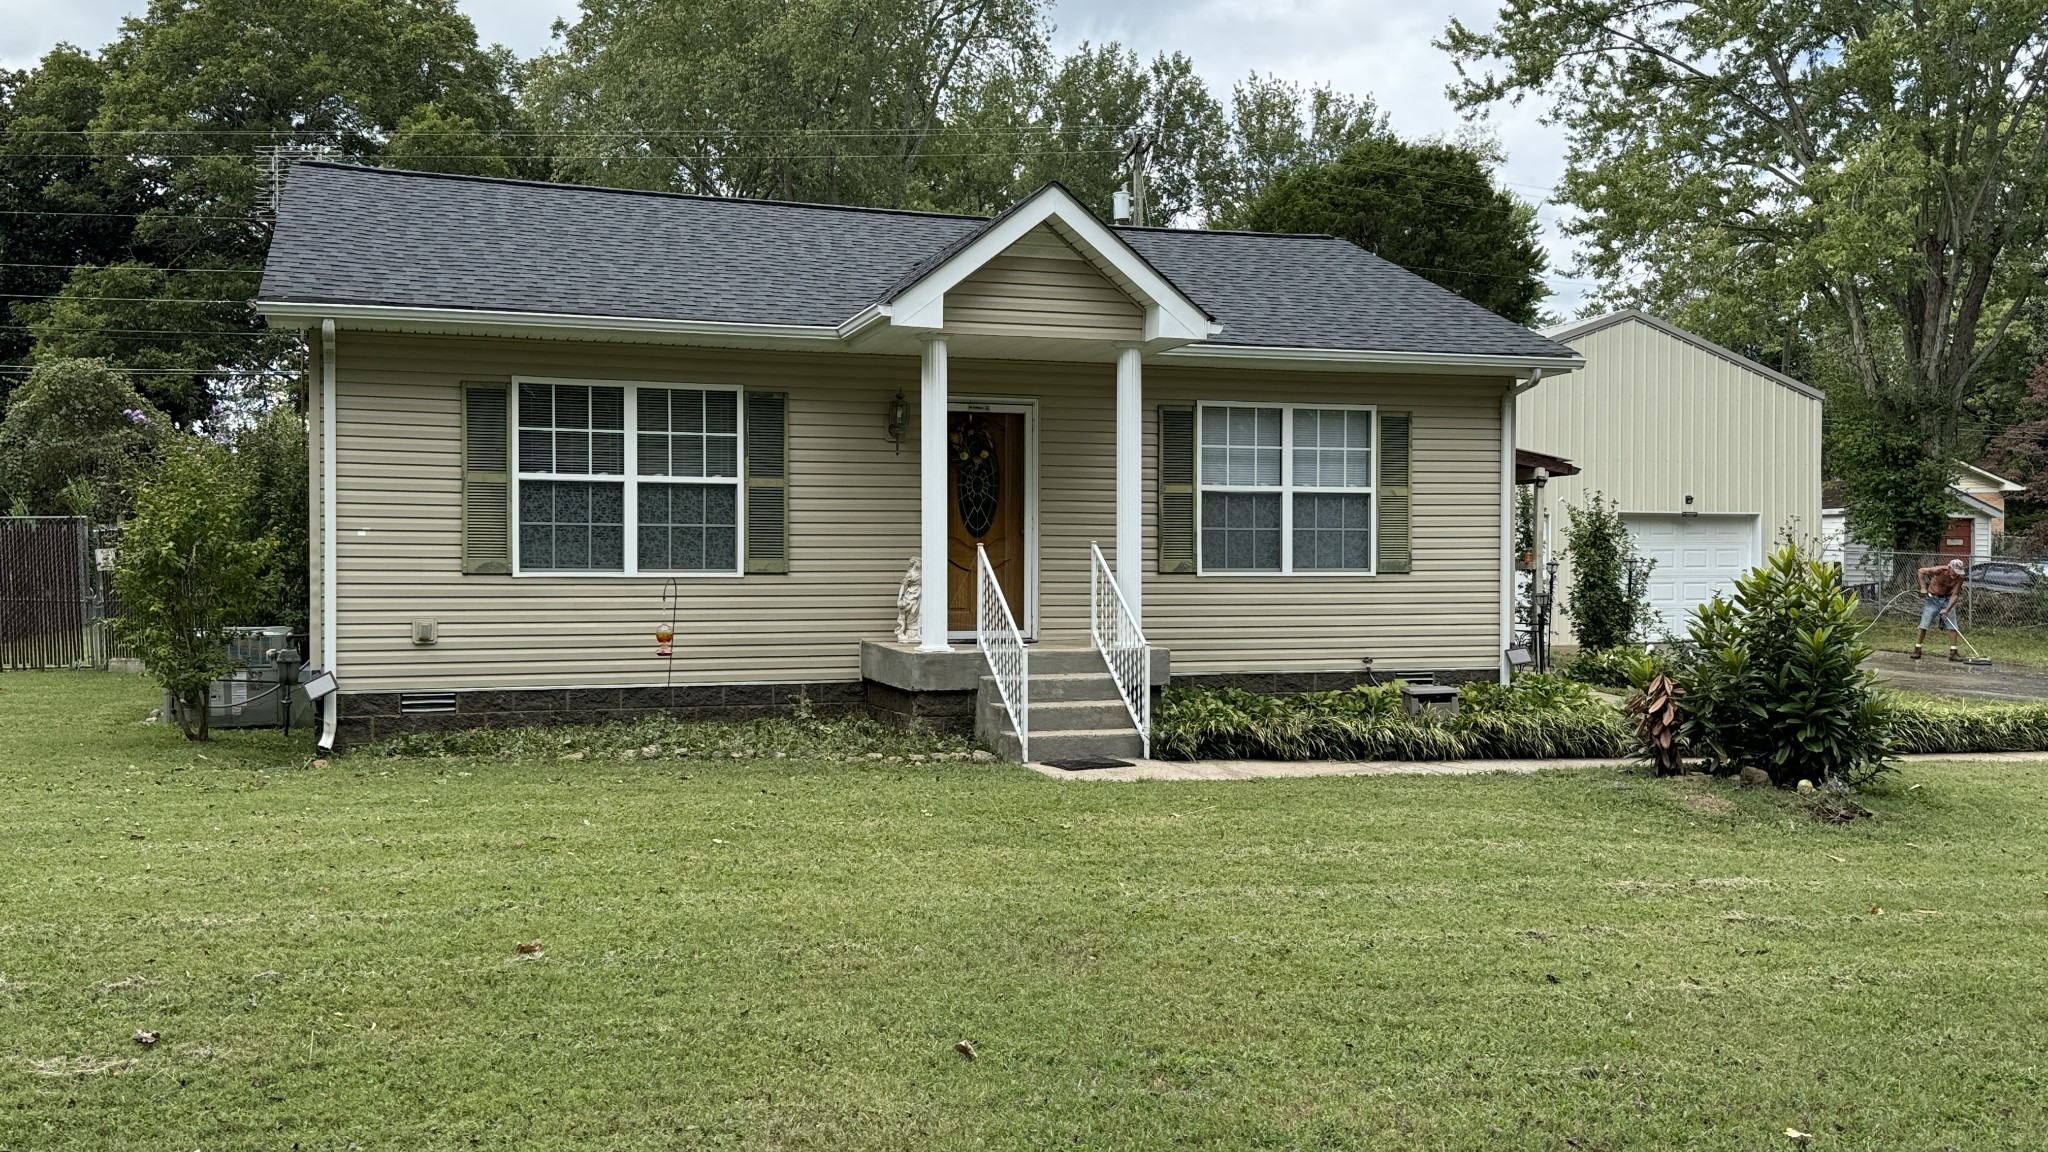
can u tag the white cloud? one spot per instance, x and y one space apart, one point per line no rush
1376 47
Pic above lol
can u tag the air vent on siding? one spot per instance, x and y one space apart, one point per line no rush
1416 678
421 703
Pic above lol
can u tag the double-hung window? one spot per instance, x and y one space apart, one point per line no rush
586 503
1285 489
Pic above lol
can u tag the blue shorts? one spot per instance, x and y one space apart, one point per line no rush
1933 614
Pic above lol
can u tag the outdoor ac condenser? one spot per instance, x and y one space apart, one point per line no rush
263 690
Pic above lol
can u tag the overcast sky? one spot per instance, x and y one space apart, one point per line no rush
1380 47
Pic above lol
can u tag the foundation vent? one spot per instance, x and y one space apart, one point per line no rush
423 703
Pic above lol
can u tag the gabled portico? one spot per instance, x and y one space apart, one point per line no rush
1073 290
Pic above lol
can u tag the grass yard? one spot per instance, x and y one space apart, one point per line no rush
2005 645
782 954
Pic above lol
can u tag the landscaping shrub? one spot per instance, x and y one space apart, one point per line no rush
186 572
1541 716
1610 591
1774 680
1922 724
1619 668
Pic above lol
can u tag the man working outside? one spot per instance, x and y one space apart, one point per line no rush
1939 587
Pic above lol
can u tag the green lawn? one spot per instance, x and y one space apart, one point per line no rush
782 954
2006 645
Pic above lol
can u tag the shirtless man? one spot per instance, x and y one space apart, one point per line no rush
1939 587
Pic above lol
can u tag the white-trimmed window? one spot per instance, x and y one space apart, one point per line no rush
585 504
1285 489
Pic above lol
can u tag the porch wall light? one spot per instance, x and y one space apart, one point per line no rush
899 419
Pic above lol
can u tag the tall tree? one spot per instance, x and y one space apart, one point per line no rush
1276 125
56 210
182 103
1098 102
835 100
1430 207
1862 175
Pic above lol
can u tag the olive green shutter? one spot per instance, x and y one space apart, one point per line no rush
486 480
767 481
1177 489
1396 553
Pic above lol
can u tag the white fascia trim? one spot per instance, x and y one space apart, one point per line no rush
492 322
1528 368
1169 314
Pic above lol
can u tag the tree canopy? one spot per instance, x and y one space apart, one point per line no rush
1855 187
1430 207
147 193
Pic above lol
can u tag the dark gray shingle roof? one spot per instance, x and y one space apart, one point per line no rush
356 235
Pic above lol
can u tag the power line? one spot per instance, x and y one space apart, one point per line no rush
144 331
137 266
128 299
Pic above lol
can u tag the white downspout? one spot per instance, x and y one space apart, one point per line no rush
331 707
1507 532
1507 520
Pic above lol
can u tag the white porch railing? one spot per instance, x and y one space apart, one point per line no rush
1122 644
1003 646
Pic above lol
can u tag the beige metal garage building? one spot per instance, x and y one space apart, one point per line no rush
1710 455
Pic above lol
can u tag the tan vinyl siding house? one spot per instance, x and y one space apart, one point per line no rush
1343 503
853 527
1710 456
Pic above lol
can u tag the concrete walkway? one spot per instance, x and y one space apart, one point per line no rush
1290 769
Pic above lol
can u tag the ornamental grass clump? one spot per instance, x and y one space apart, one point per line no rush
1773 679
1540 716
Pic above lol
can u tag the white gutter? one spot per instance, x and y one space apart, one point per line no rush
1507 520
286 312
1360 358
330 707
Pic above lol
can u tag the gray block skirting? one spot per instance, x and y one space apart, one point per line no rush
367 716
1296 683
931 699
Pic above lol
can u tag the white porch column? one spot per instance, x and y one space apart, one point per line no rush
1130 478
931 503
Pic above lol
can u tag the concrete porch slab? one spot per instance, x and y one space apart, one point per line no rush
903 666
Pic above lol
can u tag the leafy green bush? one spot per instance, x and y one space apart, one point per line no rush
1923 724
1619 668
1774 678
186 572
1549 717
1610 592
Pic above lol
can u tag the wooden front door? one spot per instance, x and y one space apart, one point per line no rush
984 505
1960 537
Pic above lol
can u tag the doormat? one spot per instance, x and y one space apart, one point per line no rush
1085 763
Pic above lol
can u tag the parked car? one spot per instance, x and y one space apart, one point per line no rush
2002 576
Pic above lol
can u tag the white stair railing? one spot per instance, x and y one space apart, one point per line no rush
1122 644
1003 647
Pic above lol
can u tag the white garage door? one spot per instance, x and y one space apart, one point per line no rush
1696 556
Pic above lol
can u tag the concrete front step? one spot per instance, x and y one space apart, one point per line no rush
1073 686
1073 714
1059 661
